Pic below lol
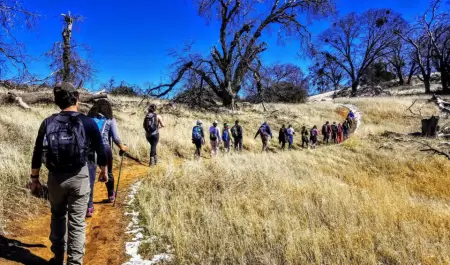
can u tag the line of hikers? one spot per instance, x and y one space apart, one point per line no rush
335 133
72 145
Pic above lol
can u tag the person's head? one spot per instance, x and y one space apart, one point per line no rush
304 128
215 123
264 123
236 122
65 95
334 122
290 126
101 107
283 126
315 127
199 123
225 125
327 122
152 108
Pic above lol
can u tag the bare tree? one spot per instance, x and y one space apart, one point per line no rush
356 41
67 64
242 23
12 51
325 73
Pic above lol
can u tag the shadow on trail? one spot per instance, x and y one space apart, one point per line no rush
17 251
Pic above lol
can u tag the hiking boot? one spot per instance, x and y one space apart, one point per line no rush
54 261
90 212
152 161
112 198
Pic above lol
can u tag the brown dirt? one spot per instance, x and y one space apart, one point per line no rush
28 241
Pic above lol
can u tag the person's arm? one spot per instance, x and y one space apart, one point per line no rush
270 131
160 122
36 161
115 136
257 133
145 123
218 135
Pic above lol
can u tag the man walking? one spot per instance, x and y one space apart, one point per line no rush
326 130
238 136
63 141
198 138
265 131
214 137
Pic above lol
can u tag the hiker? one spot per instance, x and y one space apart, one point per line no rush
102 114
198 138
345 129
305 137
214 137
290 136
334 132
238 134
282 137
326 130
265 131
62 143
339 136
314 135
350 118
152 123
226 137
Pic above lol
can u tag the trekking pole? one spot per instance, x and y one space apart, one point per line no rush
121 153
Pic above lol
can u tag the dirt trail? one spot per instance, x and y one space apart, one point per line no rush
28 241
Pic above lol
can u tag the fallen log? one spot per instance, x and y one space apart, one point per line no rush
26 99
443 105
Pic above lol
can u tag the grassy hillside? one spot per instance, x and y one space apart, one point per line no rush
355 203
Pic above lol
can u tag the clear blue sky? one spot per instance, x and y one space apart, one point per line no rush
130 39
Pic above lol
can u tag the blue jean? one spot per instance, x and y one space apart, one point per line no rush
92 175
291 140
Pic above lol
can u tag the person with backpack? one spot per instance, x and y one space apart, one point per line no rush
326 130
314 135
282 137
214 137
334 132
238 136
290 132
102 114
226 137
62 143
305 137
152 123
345 129
339 136
198 138
265 131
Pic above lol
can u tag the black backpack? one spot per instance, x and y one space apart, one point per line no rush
213 135
151 123
66 143
237 131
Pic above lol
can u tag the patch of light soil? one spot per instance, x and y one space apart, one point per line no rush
138 238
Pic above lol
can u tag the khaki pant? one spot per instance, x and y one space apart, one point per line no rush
69 196
214 147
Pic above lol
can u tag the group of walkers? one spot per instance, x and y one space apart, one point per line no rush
332 133
72 146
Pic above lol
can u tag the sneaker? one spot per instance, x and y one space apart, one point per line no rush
90 212
112 198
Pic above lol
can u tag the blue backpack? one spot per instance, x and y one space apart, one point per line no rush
197 133
225 136
66 142
101 124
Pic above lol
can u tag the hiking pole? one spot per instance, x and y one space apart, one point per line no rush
121 153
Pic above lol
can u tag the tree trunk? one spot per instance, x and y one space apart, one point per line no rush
355 85
444 80
411 73
426 82
227 99
26 99
67 36
429 126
